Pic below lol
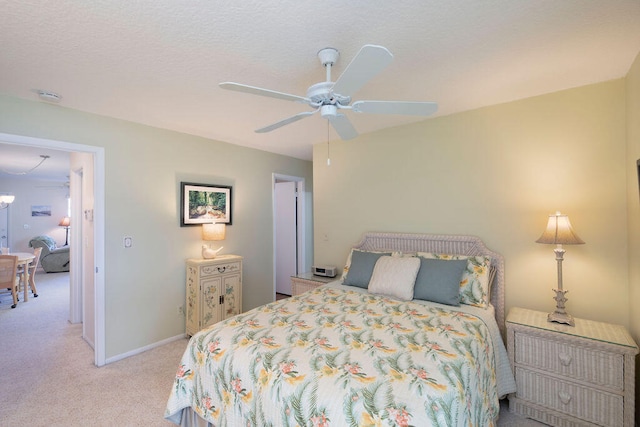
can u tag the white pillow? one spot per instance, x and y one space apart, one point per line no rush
395 277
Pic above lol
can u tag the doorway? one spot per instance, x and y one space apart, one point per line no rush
83 298
289 231
97 217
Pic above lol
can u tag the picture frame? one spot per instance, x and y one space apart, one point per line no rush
205 203
40 210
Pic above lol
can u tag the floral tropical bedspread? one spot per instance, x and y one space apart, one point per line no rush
334 357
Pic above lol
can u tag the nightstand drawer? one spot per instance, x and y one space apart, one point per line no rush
215 270
588 404
597 367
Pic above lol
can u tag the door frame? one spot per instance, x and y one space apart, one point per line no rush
301 225
99 225
75 307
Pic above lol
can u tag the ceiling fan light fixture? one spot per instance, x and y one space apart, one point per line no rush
328 111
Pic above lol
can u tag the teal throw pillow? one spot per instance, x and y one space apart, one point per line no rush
361 267
439 280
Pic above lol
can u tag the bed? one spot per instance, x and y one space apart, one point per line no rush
361 351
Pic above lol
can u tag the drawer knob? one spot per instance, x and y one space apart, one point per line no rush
565 359
564 397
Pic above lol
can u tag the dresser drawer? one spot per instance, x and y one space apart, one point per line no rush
585 403
215 270
597 367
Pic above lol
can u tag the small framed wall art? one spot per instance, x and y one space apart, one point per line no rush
40 210
204 203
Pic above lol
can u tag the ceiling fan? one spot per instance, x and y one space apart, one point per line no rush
329 97
61 185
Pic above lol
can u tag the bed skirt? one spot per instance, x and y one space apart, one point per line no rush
189 418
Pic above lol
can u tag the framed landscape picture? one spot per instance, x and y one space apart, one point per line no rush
40 210
204 204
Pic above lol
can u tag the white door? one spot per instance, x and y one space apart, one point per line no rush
286 235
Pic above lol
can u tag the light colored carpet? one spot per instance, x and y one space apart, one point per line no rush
48 377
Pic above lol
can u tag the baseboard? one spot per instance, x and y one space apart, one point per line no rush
143 349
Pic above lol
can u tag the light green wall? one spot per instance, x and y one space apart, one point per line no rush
143 170
497 173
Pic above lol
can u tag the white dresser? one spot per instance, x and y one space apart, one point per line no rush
571 376
214 291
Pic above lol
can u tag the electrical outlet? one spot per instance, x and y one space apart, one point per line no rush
180 310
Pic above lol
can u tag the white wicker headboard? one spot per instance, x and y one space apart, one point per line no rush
444 244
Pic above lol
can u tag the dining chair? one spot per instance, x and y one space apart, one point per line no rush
8 275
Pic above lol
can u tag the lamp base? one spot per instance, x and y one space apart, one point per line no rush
561 315
565 318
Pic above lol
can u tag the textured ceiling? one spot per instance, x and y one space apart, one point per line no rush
159 62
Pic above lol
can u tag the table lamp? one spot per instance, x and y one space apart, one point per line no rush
212 232
559 232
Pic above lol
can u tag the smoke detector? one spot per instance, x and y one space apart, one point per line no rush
48 96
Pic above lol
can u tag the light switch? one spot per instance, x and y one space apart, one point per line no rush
128 241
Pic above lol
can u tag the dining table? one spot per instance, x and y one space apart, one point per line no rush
24 259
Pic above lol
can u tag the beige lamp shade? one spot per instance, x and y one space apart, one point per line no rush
559 232
65 222
213 232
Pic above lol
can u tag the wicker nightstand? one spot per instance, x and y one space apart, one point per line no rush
571 376
307 281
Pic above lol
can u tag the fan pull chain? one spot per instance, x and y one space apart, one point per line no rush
328 151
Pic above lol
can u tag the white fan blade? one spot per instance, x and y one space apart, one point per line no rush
343 126
286 121
263 92
395 107
369 61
